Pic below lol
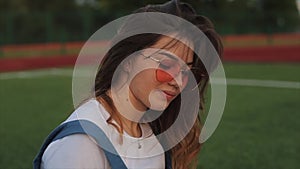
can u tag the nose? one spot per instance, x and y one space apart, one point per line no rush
177 80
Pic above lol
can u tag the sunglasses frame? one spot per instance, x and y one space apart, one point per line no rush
159 62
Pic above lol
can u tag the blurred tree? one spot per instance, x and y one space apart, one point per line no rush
280 16
23 21
40 21
27 6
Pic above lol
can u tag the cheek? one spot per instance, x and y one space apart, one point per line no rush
143 83
145 91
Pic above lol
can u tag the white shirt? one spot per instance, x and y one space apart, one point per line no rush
81 151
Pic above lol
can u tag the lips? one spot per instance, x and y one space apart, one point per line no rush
170 95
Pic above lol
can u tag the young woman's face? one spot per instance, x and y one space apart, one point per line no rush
163 77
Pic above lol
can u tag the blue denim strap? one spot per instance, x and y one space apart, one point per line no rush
82 127
91 129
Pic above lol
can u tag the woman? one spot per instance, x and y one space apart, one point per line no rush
138 95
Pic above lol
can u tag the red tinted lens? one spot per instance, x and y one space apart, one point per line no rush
168 69
163 76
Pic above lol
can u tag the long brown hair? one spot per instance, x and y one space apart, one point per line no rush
184 154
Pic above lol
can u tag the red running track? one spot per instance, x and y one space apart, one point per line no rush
247 54
263 54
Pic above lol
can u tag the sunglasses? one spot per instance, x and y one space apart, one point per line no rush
169 68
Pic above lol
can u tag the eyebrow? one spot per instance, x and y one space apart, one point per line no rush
174 57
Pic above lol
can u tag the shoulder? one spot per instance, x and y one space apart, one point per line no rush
74 151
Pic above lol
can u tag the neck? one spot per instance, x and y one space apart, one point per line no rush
127 117
130 127
122 101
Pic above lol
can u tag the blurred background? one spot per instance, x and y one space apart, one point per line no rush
35 21
40 40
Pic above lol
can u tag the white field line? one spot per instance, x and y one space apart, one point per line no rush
35 74
259 83
229 81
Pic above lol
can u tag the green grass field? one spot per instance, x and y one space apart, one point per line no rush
259 129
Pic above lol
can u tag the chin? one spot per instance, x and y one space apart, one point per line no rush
159 106
158 100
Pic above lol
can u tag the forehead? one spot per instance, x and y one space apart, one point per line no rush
180 49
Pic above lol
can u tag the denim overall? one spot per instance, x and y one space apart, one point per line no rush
91 129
